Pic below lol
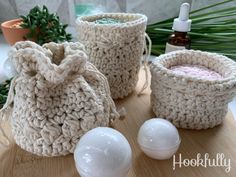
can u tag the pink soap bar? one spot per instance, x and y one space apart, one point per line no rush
196 71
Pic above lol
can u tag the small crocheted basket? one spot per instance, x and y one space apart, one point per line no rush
58 96
115 49
190 102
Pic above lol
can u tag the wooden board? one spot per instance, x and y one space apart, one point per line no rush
15 162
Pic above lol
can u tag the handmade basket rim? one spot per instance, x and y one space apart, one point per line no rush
141 19
159 66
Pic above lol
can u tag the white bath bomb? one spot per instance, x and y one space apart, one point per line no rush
103 152
158 138
9 69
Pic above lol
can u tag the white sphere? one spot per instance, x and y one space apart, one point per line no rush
103 152
158 138
9 69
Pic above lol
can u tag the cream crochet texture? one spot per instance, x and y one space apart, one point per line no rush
115 49
190 102
58 97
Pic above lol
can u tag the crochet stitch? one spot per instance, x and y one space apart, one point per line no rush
190 102
115 49
59 96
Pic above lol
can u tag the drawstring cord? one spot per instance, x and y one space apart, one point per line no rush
120 113
116 114
4 109
145 64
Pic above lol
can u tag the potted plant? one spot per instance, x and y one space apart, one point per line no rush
39 26
13 32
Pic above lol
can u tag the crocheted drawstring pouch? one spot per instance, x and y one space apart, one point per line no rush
58 96
116 49
192 102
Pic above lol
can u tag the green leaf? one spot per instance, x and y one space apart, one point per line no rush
23 17
23 25
210 6
45 9
44 26
213 31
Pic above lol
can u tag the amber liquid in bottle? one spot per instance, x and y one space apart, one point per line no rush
180 39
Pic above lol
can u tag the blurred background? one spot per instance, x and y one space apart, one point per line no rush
156 10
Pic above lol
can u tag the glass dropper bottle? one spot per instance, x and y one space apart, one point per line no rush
182 25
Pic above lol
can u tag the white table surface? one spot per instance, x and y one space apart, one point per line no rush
4 49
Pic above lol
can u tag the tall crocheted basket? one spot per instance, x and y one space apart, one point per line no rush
115 49
191 102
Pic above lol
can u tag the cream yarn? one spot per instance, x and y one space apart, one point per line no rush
115 49
58 97
190 102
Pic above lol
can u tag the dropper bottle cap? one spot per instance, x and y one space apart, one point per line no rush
183 23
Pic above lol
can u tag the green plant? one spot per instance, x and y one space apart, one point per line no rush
213 31
4 88
44 27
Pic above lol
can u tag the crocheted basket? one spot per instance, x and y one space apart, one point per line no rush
58 97
115 49
190 102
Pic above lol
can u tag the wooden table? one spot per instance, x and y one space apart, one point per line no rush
15 162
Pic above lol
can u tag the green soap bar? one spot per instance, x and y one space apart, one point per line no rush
107 21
